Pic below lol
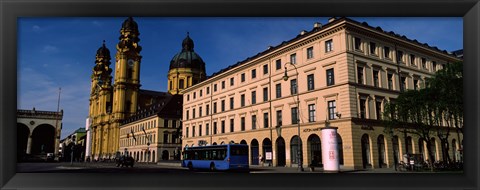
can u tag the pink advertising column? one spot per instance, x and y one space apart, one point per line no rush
330 149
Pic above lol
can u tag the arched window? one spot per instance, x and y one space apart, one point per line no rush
340 149
366 151
381 150
181 84
420 147
408 143
314 150
433 147
295 149
454 150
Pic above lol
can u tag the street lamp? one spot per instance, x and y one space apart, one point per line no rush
299 151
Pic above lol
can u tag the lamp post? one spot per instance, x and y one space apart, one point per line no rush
299 151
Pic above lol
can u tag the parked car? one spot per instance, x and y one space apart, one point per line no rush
125 161
50 157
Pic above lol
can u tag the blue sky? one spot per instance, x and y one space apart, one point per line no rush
60 52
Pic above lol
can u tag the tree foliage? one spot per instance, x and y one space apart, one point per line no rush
430 111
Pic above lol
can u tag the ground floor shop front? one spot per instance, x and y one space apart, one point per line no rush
153 153
361 145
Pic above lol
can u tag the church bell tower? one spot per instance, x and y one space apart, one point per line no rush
100 97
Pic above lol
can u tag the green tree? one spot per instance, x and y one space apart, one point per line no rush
409 114
432 110
448 84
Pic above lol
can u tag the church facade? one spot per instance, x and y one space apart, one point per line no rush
118 108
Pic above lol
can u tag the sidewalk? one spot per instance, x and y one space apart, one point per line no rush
267 169
170 163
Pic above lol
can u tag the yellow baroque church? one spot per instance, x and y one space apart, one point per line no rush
125 119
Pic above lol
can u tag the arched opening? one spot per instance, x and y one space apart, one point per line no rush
231 142
420 147
214 143
223 142
295 150
340 149
153 156
43 139
254 152
433 147
165 155
267 150
281 155
396 149
454 150
381 151
22 141
408 143
245 142
314 150
149 156
366 160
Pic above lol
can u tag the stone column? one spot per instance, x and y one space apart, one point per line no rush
29 144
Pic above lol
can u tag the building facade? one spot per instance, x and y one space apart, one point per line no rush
153 134
118 103
38 133
341 73
73 146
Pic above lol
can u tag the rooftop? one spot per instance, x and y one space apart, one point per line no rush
318 27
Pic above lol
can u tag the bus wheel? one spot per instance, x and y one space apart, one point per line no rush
212 167
190 167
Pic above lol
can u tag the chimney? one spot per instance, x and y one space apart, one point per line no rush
303 32
317 25
331 19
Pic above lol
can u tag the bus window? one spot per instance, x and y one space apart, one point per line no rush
222 154
196 156
236 151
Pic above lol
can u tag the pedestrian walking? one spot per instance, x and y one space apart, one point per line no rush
260 160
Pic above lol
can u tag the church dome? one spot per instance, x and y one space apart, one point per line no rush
103 51
187 58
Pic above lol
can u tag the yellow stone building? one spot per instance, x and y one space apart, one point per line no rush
119 106
341 73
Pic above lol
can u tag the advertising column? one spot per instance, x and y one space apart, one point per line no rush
88 151
330 149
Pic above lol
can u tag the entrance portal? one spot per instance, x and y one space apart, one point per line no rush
281 157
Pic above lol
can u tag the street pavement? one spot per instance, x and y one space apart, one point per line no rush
161 167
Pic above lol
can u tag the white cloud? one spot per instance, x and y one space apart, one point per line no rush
49 49
36 28
37 88
97 23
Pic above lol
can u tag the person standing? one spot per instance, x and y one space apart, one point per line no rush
260 160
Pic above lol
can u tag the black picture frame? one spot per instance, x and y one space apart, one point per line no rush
11 10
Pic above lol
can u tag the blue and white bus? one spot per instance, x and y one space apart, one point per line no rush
216 157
